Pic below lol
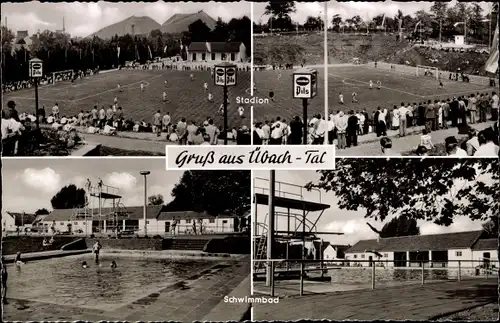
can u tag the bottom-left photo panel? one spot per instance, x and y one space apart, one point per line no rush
123 239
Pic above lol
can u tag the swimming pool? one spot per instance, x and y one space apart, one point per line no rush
64 281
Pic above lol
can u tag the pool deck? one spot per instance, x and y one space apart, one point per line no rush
199 298
405 302
30 256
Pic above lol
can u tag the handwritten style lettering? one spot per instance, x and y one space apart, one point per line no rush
264 157
184 159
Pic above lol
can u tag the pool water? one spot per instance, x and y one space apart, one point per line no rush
64 281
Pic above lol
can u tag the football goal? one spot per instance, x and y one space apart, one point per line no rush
423 70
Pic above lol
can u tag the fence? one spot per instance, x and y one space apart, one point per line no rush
486 268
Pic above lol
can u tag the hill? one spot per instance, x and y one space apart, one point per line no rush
180 22
132 25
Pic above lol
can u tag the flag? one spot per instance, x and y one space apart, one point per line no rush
137 57
182 47
66 54
165 49
492 63
118 51
416 26
150 54
80 54
383 21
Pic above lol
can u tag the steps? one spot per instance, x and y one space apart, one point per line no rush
184 244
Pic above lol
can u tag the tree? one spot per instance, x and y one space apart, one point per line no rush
336 22
43 211
68 197
437 190
399 227
199 31
280 9
156 200
476 20
491 227
212 191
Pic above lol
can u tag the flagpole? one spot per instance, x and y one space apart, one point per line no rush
465 31
489 32
440 26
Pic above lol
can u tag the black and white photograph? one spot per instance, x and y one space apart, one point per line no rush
124 78
413 78
378 239
288 73
123 240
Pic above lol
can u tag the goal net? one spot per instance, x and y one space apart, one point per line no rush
430 71
61 76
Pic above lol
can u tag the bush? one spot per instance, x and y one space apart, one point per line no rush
157 237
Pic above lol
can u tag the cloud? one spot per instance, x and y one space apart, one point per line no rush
46 180
123 181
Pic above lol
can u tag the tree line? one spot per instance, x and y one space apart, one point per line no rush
214 192
442 20
61 52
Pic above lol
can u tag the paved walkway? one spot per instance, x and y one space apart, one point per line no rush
185 301
369 145
413 302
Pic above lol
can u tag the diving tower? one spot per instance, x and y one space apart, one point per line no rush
292 220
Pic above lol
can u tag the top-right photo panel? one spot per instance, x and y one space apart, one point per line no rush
413 78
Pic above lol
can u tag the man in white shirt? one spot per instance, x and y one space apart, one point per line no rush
267 133
276 134
320 130
55 111
403 112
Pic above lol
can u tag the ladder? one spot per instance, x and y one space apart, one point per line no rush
261 248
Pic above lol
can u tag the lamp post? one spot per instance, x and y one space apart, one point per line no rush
305 87
225 75
145 173
35 72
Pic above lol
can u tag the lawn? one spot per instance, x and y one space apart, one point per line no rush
396 88
185 98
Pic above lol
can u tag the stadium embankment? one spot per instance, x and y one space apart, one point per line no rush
342 48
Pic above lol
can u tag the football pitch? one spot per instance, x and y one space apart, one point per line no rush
346 79
185 98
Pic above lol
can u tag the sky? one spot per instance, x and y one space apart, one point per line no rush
351 223
29 184
82 19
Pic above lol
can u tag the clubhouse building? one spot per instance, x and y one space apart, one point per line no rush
234 52
470 249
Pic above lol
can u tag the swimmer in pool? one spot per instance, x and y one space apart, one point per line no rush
4 281
84 265
18 260
113 264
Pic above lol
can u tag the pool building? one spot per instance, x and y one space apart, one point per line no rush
131 220
470 249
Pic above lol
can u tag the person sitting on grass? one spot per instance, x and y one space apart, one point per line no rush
426 140
452 148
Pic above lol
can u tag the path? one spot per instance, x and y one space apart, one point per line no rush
186 301
369 145
412 302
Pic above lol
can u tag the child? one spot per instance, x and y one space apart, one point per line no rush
18 260
113 264
426 140
354 95
341 98
371 84
84 265
205 86
164 96
379 84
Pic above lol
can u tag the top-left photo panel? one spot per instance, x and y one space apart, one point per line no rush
124 79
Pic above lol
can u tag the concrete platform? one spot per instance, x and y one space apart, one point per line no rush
404 302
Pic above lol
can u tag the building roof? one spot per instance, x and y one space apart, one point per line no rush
432 242
486 244
22 218
180 215
215 47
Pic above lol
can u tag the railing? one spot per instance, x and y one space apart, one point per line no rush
280 189
486 268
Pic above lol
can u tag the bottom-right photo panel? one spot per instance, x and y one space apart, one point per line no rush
378 239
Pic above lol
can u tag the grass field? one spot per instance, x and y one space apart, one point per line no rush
345 79
396 88
284 105
185 98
